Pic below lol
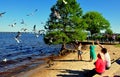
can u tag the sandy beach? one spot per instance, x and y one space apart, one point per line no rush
69 66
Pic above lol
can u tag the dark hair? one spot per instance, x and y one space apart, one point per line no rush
104 50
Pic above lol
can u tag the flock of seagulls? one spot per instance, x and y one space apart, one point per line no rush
56 14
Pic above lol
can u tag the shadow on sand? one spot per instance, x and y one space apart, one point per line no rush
118 61
71 73
71 60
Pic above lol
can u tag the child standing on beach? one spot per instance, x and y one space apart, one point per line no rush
92 52
106 56
79 51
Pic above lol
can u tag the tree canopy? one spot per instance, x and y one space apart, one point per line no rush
109 31
65 23
95 22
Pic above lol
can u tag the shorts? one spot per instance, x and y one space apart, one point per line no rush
80 52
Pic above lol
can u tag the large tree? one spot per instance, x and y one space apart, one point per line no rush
109 31
65 23
95 22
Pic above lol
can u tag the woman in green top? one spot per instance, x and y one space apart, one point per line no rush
92 52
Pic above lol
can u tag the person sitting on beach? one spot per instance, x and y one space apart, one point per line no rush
92 52
106 55
99 66
80 51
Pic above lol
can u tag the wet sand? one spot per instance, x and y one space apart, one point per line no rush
69 66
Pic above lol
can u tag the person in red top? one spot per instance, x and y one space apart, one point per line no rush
99 66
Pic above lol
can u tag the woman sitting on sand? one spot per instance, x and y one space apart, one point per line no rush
106 56
92 52
99 66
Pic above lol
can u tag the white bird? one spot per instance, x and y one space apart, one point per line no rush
64 2
17 37
5 60
57 14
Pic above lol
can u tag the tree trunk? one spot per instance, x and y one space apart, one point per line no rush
63 47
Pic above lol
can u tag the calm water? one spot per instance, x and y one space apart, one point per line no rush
28 50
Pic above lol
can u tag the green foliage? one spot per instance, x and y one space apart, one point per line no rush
95 22
109 31
117 45
118 38
68 27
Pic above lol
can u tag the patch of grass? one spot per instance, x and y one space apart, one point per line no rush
117 45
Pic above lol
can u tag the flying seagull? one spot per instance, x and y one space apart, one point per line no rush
64 2
22 22
31 14
57 14
2 14
17 37
12 25
23 29
41 31
34 28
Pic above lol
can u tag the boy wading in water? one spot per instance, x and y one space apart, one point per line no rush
80 51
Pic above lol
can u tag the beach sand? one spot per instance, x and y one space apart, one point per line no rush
69 66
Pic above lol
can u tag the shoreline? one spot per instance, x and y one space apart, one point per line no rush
69 65
40 62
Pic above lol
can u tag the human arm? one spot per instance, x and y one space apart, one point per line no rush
99 44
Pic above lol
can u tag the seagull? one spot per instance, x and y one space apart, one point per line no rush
24 29
2 14
34 28
64 2
12 25
36 10
22 22
17 37
31 14
57 14
5 60
41 31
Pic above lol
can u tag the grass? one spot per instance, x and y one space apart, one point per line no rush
117 45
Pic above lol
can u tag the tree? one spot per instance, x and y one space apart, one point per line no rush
109 31
65 23
95 22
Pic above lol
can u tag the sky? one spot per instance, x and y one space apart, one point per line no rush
16 10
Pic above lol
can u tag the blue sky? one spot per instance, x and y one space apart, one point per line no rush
16 10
